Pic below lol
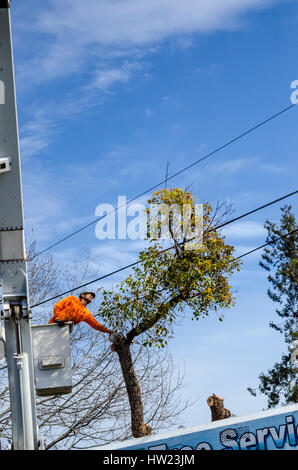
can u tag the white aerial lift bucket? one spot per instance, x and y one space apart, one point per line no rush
52 360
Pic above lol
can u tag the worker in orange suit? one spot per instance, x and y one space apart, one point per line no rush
74 309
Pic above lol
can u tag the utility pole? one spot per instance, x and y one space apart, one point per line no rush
13 271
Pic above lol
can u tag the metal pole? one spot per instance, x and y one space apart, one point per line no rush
13 270
24 419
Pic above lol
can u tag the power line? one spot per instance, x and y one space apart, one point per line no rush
255 249
163 251
266 244
256 210
168 178
238 257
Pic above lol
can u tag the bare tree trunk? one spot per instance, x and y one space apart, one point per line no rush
218 411
138 427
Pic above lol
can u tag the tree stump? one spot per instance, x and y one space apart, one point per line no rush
218 411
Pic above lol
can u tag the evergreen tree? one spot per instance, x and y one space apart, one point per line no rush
279 258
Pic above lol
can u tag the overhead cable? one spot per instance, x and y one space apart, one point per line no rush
168 178
163 251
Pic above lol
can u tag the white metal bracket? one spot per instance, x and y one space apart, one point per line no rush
5 164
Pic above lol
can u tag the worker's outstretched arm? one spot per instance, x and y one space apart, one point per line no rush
88 318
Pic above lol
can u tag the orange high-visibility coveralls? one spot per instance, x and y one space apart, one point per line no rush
71 309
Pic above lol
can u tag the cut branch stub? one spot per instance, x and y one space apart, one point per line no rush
218 411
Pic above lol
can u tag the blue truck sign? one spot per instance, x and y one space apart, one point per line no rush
275 429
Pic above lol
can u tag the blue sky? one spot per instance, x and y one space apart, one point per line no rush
109 93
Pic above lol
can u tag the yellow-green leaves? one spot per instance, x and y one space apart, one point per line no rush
167 280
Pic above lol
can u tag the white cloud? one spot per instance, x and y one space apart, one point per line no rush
107 77
270 168
73 33
225 170
111 37
53 204
32 144
36 134
245 230
243 249
232 166
105 42
115 254
134 22
44 207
